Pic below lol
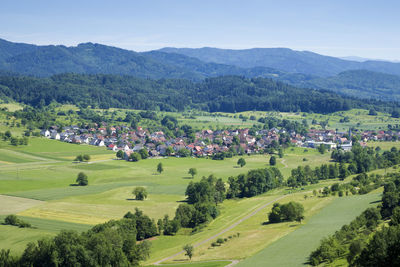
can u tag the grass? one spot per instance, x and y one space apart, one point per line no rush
199 264
254 235
11 205
17 238
294 248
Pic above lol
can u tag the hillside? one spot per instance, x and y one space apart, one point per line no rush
300 69
89 58
228 94
284 59
359 83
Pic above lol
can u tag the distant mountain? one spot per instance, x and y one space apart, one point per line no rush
89 58
355 58
358 83
369 79
284 59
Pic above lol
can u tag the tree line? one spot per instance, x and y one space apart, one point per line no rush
219 94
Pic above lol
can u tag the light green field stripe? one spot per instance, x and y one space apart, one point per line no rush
293 249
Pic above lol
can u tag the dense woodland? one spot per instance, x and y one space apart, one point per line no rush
225 94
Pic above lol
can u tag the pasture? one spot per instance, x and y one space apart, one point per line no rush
45 171
294 248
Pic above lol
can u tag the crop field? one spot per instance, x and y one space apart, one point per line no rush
294 248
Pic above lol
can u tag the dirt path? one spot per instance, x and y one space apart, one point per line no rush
222 232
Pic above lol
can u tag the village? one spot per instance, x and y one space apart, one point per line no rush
209 142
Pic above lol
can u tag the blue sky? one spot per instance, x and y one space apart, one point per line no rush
367 28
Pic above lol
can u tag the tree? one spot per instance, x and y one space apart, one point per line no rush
192 172
189 249
160 168
79 158
291 211
135 156
120 154
82 179
140 193
11 220
372 112
7 135
183 153
272 161
86 157
14 141
169 151
143 153
322 148
241 162
280 153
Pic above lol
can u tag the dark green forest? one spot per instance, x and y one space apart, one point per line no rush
220 94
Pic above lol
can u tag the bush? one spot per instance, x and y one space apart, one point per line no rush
13 220
220 241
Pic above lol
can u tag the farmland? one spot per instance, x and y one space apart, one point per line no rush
294 248
36 184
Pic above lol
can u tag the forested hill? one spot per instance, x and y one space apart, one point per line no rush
300 69
285 60
227 94
89 58
359 83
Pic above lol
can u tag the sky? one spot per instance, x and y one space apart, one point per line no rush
366 28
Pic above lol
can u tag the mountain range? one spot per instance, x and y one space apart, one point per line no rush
367 79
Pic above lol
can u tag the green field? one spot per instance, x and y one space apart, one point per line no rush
199 264
294 248
37 184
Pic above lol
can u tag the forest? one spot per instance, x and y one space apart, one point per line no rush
220 94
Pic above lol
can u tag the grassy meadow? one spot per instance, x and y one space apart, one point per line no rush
294 248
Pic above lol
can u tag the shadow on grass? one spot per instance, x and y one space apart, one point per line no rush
187 177
182 201
376 201
133 199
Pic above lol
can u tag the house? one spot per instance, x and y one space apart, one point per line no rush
55 135
112 147
45 133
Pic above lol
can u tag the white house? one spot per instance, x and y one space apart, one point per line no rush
55 135
45 133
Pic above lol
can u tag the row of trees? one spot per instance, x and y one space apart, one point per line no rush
255 182
365 159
